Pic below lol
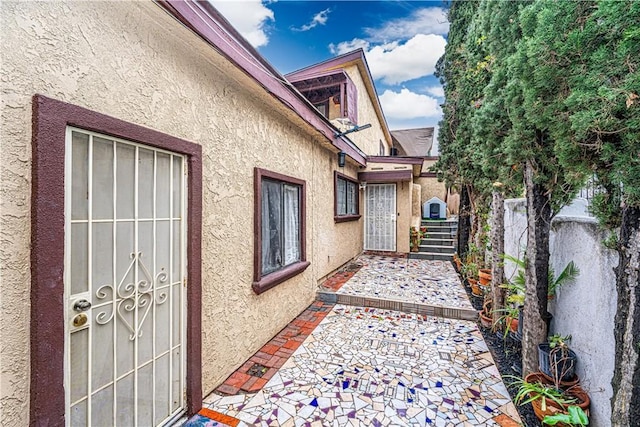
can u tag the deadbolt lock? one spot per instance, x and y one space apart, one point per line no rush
79 320
82 305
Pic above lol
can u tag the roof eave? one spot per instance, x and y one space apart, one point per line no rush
203 19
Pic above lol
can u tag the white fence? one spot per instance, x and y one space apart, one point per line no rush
586 308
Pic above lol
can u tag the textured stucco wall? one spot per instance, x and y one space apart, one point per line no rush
585 309
403 225
416 206
134 62
368 139
334 243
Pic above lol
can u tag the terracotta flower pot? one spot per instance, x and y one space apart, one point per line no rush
475 288
552 408
563 384
485 276
458 262
512 323
485 320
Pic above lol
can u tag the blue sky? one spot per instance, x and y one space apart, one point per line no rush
402 41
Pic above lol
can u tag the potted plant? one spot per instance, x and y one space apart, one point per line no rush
415 237
484 276
486 317
575 416
546 398
568 275
470 272
458 262
557 361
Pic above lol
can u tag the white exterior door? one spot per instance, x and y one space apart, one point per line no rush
380 217
124 282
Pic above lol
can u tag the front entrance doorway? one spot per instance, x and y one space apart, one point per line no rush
124 282
380 217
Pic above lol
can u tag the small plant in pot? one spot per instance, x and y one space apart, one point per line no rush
568 275
486 315
557 361
415 237
470 272
510 318
546 398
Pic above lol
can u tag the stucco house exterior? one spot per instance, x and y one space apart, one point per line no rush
169 203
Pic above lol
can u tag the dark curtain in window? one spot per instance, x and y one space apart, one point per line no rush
271 226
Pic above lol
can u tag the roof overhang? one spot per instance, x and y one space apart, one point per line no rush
208 24
380 177
415 162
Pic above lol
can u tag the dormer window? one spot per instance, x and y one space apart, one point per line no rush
332 93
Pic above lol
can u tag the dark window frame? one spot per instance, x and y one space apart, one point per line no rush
345 217
263 282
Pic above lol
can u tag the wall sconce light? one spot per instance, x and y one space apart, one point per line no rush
341 159
363 185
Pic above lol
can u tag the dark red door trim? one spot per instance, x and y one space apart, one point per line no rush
50 120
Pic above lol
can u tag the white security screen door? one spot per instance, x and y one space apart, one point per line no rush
124 282
380 217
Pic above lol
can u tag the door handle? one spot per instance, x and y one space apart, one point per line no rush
81 305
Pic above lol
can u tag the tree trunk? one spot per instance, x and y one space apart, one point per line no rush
536 315
497 249
464 223
625 403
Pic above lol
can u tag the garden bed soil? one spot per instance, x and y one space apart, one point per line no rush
506 353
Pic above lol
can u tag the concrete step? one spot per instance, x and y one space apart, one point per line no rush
438 227
431 256
459 313
437 235
441 228
438 242
437 249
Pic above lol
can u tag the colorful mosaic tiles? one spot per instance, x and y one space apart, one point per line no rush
365 366
409 280
209 418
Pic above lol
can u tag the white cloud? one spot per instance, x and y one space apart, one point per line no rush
437 91
344 47
431 20
319 18
408 105
395 63
249 17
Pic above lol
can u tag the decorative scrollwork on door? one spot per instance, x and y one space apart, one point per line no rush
130 296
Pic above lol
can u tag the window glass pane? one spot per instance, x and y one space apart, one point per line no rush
291 224
125 180
102 185
79 175
271 226
352 207
341 196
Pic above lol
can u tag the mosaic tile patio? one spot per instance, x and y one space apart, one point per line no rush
409 280
375 367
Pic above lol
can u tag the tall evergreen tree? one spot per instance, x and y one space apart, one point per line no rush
600 134
535 79
491 125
